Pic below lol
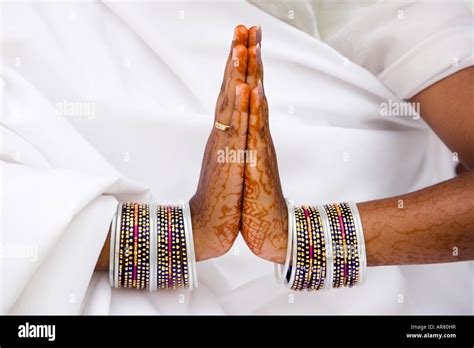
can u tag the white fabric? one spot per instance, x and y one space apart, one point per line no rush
101 101
408 45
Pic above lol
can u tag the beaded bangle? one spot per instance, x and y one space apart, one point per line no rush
300 252
163 262
344 238
153 252
352 255
327 247
177 255
134 256
151 247
169 243
308 246
144 248
337 243
128 246
319 257
183 248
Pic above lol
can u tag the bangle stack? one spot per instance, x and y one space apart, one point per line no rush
326 248
151 247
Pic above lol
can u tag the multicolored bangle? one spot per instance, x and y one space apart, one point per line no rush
151 247
319 250
326 246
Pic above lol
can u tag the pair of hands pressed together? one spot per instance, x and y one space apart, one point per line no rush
238 196
246 197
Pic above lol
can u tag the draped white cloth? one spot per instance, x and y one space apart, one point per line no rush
408 44
114 101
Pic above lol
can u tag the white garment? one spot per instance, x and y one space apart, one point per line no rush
408 45
101 101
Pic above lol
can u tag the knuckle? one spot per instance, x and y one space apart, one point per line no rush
240 49
232 131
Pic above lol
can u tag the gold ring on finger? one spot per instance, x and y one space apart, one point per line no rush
221 126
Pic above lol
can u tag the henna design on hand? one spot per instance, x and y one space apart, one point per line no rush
217 203
264 213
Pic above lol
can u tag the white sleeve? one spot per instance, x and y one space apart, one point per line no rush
407 45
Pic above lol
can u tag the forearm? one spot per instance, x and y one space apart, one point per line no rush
435 224
432 225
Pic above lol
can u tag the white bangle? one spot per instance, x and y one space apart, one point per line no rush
193 280
117 244
282 271
112 247
290 282
188 246
360 243
328 247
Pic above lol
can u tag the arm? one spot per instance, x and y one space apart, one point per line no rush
416 228
448 108
432 225
436 224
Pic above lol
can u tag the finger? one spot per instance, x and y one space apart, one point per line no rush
259 141
237 143
258 120
255 191
237 133
255 36
254 66
240 38
225 103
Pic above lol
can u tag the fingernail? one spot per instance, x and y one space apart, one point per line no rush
258 50
259 33
260 87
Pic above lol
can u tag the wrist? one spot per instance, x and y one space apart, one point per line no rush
104 256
